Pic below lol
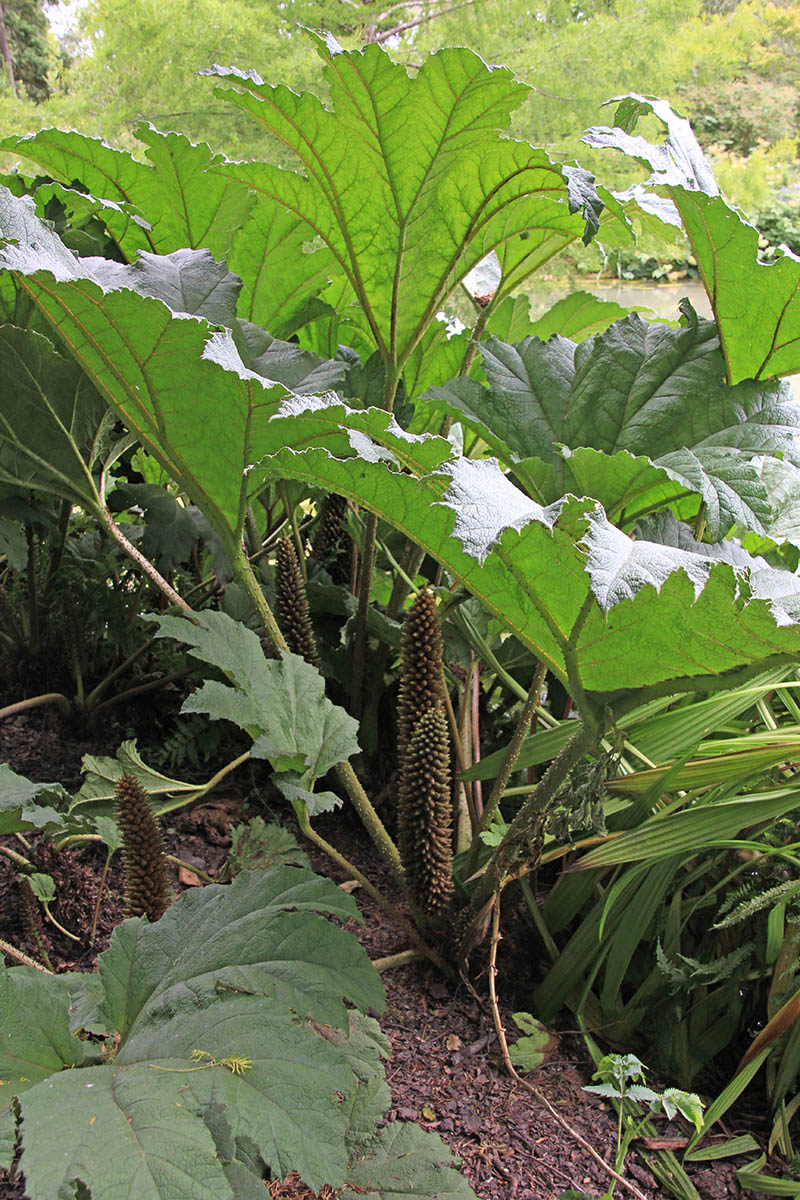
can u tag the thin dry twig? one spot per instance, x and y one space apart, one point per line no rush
534 1091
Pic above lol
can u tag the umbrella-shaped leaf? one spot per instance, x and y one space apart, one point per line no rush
407 1162
35 1035
181 202
21 803
407 181
181 389
638 613
644 388
50 416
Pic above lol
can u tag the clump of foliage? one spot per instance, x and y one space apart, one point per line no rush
640 558
622 1082
147 891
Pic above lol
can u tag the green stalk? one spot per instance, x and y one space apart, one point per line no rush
524 826
345 773
512 754
103 877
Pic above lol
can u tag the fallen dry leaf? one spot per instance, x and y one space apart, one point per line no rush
188 878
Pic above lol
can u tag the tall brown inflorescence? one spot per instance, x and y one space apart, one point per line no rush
421 681
332 547
147 890
425 818
291 604
425 825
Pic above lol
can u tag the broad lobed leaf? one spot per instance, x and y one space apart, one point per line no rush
407 182
638 613
639 389
756 305
281 702
247 972
22 803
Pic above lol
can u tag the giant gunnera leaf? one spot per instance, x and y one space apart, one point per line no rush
611 612
637 417
229 1057
756 304
408 182
160 340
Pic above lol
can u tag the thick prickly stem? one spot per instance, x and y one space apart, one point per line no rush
143 851
332 546
421 684
31 920
425 826
291 608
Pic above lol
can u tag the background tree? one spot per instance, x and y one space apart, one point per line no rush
29 52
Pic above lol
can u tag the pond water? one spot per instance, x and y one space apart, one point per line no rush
661 298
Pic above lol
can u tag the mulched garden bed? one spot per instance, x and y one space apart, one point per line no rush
446 1069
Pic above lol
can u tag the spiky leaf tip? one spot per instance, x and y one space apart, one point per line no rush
425 823
147 891
421 683
292 604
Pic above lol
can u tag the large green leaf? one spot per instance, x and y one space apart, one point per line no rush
20 804
223 972
630 613
406 1162
300 960
8 1137
114 1126
102 774
281 702
578 316
756 304
50 416
182 389
225 1069
281 270
35 1036
181 202
639 389
406 180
